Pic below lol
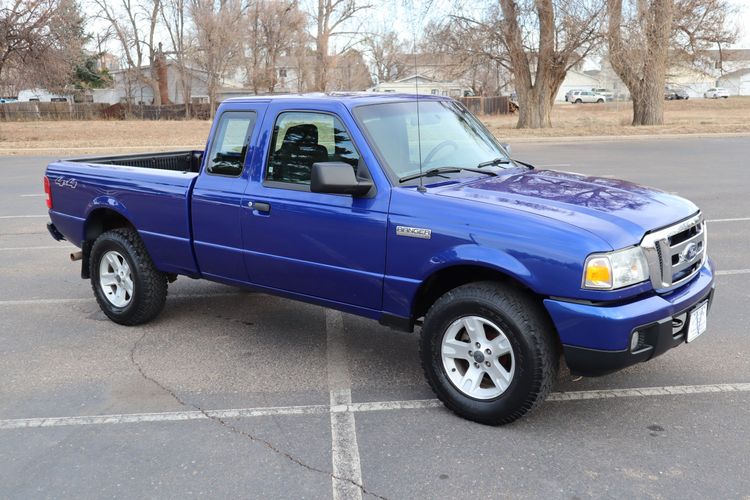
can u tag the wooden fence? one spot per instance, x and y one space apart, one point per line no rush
26 111
486 105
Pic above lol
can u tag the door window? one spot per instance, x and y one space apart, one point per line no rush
229 147
301 139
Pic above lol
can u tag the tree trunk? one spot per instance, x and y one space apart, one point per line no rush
648 105
642 71
321 47
535 110
321 66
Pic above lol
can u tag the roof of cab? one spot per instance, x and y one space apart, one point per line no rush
349 99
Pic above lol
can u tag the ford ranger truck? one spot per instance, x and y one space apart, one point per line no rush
409 212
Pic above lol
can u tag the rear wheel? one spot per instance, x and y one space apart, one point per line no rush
578 101
488 353
127 285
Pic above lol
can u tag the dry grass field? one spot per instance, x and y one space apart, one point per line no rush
70 138
694 116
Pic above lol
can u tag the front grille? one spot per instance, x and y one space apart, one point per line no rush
676 253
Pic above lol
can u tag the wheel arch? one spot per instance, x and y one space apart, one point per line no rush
99 220
447 278
102 219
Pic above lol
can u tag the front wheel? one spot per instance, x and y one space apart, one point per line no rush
599 101
127 285
488 353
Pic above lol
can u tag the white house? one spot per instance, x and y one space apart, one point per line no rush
737 82
423 85
128 88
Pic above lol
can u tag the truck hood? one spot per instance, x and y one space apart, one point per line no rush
619 212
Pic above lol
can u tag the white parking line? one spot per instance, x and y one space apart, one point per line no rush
670 390
347 471
732 272
23 216
63 247
179 416
32 195
27 302
736 219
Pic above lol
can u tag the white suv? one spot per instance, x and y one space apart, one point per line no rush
716 92
579 96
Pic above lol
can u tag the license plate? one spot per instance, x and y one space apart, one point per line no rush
697 323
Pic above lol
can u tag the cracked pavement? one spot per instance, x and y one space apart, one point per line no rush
216 347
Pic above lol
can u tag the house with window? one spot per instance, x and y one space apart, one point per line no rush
421 84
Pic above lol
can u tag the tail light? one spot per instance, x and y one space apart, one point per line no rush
48 192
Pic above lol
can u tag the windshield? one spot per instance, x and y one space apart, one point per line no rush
450 136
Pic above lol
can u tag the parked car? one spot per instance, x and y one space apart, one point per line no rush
716 92
568 94
580 96
674 93
608 94
3 100
328 200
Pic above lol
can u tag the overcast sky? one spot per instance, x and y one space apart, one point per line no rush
743 21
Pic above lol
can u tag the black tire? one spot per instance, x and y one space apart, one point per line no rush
149 284
599 101
527 328
577 101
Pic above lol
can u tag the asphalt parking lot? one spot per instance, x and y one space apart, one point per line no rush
232 393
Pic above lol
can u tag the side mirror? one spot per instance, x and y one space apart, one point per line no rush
336 177
506 147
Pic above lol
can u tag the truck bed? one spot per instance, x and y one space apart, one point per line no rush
178 161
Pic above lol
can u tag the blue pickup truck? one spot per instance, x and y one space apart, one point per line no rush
409 212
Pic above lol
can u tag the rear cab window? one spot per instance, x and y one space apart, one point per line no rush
230 144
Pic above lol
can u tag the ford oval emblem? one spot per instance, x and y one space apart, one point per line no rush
689 252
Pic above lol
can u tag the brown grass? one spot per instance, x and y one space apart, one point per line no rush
82 137
68 138
694 116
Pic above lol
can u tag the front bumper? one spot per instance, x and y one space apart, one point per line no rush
596 338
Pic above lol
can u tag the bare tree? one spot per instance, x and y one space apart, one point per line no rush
537 41
386 52
349 72
217 25
134 24
275 28
646 36
175 17
543 42
475 53
40 43
330 18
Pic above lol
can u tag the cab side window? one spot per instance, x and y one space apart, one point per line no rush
301 139
229 147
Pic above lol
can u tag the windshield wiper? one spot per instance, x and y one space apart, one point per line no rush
444 170
500 160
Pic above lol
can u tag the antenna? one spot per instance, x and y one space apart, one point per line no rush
421 187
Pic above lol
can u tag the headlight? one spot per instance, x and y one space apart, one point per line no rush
612 270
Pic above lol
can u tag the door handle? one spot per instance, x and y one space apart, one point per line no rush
259 206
